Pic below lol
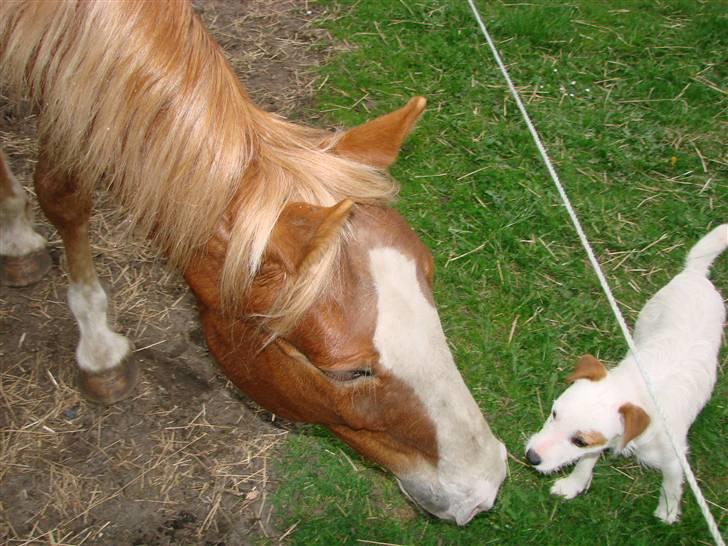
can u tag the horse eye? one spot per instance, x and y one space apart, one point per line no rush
348 375
578 441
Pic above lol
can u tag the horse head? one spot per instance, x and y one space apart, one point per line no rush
368 358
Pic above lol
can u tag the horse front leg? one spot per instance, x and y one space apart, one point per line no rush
107 374
23 255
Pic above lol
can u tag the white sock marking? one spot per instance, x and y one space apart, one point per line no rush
17 236
100 348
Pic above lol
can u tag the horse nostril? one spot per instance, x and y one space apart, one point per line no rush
533 458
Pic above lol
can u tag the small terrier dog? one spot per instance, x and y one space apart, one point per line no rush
677 336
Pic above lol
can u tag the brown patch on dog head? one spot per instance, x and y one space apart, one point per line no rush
588 367
593 438
636 421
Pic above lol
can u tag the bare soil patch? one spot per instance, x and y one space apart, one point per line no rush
186 459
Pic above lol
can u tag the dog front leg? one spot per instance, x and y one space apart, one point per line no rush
579 480
668 509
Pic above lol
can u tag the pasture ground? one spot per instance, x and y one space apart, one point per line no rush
630 97
186 460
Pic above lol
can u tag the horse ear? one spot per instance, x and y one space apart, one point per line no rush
635 420
588 367
377 142
303 232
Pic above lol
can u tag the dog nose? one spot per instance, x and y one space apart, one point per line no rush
533 458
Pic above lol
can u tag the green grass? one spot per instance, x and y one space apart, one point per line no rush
630 99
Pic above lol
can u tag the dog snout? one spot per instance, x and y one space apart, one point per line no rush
533 458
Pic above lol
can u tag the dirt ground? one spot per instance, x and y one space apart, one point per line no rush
186 459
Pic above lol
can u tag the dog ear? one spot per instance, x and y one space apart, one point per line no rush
588 367
377 142
635 420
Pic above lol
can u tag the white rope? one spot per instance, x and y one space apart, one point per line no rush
603 281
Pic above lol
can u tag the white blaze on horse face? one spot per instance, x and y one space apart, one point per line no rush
17 236
100 348
411 343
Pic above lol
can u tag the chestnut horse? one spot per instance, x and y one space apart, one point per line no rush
315 297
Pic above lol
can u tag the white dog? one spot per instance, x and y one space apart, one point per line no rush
677 336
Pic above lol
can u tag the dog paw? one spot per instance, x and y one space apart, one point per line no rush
569 487
668 514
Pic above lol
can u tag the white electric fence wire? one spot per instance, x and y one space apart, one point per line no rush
603 281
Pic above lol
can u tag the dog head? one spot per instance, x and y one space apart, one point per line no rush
590 416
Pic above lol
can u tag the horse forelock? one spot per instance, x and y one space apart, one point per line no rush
136 94
292 170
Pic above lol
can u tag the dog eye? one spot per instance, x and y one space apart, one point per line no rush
578 441
553 414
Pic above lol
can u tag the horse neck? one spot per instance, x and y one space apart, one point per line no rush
136 94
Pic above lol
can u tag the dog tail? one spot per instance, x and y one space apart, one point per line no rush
706 250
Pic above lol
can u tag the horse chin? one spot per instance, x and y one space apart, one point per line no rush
457 506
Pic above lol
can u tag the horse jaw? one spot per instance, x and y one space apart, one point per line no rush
471 461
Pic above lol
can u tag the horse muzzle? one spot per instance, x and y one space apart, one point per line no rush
451 504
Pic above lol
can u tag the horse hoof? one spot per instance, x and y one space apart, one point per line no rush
110 386
24 270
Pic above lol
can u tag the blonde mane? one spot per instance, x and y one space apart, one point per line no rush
136 95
